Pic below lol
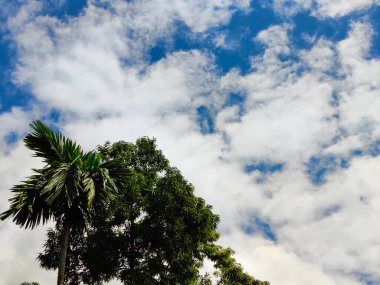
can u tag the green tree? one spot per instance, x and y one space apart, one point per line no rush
155 231
228 271
70 186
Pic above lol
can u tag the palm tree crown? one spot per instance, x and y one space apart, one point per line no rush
67 188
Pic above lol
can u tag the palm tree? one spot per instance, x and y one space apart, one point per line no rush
68 188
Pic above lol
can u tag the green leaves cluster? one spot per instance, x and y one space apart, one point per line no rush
155 231
66 189
65 186
121 212
229 272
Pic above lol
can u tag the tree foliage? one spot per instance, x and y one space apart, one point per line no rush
155 230
66 188
229 272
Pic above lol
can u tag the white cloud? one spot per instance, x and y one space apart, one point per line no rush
13 123
324 8
360 90
341 7
20 246
283 266
94 71
289 118
335 243
345 145
275 129
322 56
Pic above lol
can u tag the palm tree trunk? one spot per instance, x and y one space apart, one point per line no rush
63 252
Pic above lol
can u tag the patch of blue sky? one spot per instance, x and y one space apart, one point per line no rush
374 16
357 152
157 52
9 9
344 163
367 279
264 167
240 32
307 28
331 210
374 149
64 9
243 27
106 5
61 9
235 99
319 166
238 36
334 101
53 116
11 138
205 120
51 120
182 40
257 225
10 94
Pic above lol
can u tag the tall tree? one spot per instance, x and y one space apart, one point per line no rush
70 186
155 231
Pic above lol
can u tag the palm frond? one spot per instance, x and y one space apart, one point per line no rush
63 183
28 207
91 161
117 170
70 183
52 146
89 188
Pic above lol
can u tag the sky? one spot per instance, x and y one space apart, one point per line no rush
271 109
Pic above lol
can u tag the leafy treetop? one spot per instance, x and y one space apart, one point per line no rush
155 231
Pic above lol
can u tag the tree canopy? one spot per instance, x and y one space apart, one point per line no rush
154 231
66 188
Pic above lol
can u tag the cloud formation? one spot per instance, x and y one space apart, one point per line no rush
314 111
324 8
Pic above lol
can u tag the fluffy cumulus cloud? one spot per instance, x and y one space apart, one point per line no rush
341 8
291 166
324 8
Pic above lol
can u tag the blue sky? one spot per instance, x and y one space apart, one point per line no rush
270 108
